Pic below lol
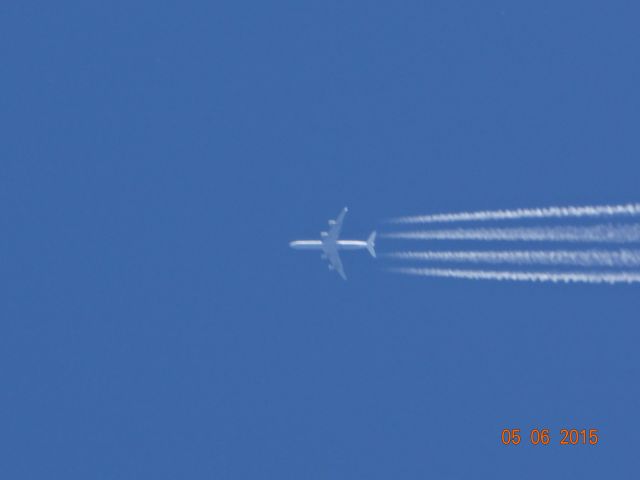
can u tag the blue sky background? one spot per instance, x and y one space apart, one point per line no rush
157 158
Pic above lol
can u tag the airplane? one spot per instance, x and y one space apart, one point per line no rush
329 244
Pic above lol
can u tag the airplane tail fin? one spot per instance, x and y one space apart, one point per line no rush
371 243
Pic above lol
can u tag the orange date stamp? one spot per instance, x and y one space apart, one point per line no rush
542 436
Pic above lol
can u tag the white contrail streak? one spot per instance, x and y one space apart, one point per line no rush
597 234
630 209
583 258
554 277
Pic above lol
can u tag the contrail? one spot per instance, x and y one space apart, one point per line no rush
630 209
554 277
583 258
597 234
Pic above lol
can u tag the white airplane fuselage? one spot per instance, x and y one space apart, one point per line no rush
317 244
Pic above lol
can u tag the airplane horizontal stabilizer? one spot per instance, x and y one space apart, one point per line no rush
371 243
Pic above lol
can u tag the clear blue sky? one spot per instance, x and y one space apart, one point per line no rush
157 158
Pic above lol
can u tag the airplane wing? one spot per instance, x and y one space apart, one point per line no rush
335 262
336 226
